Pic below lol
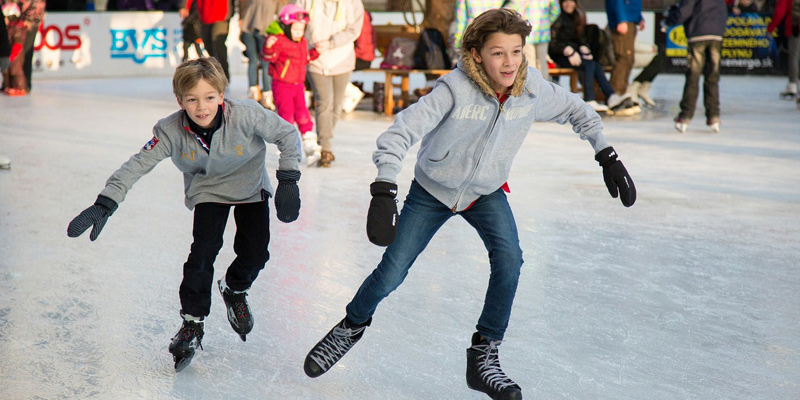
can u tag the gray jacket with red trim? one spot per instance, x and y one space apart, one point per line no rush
231 170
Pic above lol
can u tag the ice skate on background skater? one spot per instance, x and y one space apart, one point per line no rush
486 106
230 175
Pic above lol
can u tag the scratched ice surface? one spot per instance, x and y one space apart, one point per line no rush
693 293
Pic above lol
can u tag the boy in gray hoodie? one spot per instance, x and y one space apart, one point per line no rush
471 126
220 146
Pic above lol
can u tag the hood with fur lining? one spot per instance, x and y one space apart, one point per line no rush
477 74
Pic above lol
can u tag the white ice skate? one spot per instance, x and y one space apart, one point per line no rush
311 148
791 91
681 124
5 162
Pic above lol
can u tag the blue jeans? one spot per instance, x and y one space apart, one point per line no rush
421 217
253 42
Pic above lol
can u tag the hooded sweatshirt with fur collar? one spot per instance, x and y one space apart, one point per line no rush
469 139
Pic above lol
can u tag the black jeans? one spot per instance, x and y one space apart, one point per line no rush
249 244
704 57
214 37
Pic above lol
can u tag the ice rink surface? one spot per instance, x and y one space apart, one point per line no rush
693 293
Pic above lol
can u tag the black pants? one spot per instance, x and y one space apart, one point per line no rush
214 37
249 244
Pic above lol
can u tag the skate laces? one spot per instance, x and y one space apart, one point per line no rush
239 303
489 367
189 331
335 345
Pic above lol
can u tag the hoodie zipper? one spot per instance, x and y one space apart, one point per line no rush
480 155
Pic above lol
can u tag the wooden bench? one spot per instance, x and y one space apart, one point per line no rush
403 74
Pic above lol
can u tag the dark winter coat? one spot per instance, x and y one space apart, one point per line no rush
701 19
783 14
564 33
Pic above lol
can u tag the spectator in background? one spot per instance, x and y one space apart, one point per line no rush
783 18
5 54
333 28
623 18
191 32
704 23
365 44
14 77
255 16
215 18
541 14
467 10
32 16
742 6
568 48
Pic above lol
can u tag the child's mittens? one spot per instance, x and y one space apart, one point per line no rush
287 195
382 215
618 182
94 216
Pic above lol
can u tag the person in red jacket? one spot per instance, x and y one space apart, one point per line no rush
791 29
286 50
215 17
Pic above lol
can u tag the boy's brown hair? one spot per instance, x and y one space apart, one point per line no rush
192 71
492 21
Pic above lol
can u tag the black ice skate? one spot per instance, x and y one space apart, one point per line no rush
239 314
333 347
484 373
185 342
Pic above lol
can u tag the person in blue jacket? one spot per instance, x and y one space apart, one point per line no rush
624 16
471 126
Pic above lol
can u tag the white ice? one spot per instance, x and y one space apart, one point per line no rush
693 293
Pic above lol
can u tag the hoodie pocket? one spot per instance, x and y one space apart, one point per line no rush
448 170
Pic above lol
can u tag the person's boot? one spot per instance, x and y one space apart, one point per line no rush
239 315
5 162
644 94
311 148
267 100
326 157
633 91
484 373
333 347
681 124
186 341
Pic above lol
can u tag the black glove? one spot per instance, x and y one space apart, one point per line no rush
382 215
616 176
287 195
96 216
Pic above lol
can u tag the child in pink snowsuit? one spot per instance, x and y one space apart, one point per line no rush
287 52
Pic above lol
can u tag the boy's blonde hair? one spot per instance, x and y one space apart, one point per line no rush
192 71
492 21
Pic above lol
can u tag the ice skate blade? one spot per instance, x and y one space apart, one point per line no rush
182 362
5 166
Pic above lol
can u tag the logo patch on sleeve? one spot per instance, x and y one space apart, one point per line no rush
149 145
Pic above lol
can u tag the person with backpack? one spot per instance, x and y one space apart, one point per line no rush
470 128
787 16
334 25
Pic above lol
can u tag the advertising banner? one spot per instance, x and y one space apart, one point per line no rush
106 44
747 47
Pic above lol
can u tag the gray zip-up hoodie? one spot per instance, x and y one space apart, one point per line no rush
338 22
231 171
469 139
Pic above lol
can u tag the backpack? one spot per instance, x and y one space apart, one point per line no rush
432 51
399 54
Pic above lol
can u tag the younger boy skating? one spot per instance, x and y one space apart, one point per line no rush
470 126
220 146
